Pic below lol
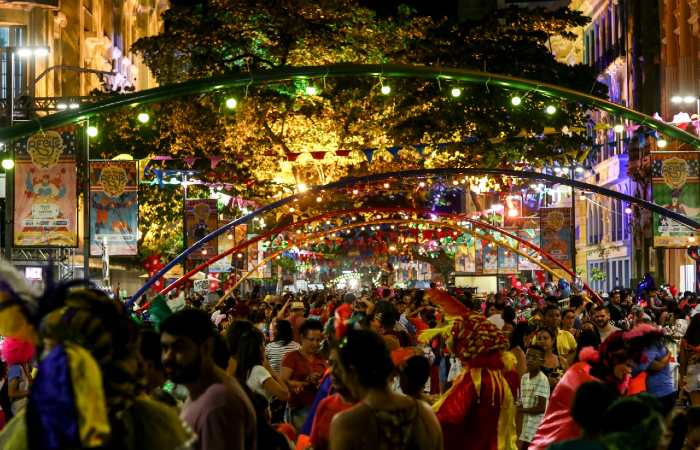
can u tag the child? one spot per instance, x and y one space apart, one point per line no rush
534 390
414 376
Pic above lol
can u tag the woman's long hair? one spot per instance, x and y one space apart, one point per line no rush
692 334
517 337
284 334
250 354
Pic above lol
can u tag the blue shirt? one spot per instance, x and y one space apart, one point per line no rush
659 383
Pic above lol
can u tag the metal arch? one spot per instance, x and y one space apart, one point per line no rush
355 225
372 210
417 174
215 83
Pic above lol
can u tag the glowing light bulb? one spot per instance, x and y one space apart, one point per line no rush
355 191
310 90
551 109
319 199
92 131
231 103
515 101
291 209
456 92
143 117
421 184
619 128
386 90
661 143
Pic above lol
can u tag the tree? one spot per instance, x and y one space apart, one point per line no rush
228 36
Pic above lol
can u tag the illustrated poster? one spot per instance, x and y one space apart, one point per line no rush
224 264
202 219
555 226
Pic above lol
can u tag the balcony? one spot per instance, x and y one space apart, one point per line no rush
49 4
609 56
609 171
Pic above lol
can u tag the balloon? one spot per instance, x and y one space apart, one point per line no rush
518 284
564 289
577 285
550 289
646 283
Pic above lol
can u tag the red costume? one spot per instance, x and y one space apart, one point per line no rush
478 412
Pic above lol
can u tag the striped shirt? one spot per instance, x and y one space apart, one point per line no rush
276 351
530 391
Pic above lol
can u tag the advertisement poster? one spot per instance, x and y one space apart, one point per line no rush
113 207
507 260
479 257
202 219
464 258
224 264
531 236
46 206
555 226
253 257
675 187
490 251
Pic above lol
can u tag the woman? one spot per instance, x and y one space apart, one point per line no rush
490 309
254 368
680 323
262 323
520 340
554 366
568 317
233 336
590 325
587 338
689 360
282 343
387 420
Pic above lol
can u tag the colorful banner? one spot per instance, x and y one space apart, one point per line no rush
253 257
113 207
224 264
507 260
555 226
202 219
479 256
490 258
46 206
464 258
532 236
675 187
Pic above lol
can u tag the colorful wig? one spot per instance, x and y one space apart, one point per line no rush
16 351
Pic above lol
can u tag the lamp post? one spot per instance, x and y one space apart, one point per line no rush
21 52
688 99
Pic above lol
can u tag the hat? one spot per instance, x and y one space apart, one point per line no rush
298 305
241 309
605 295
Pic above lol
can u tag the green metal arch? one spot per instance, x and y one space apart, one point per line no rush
135 99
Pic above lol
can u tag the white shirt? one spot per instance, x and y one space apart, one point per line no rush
256 379
604 334
530 390
497 320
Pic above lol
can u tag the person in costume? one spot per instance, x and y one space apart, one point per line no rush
478 412
612 363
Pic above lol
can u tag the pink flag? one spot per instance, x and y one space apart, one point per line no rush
162 158
215 160
190 161
225 199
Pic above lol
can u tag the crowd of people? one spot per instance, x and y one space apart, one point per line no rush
374 368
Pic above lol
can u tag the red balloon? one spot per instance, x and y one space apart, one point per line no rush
518 284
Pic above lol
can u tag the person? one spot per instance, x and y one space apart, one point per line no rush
233 338
481 348
681 322
686 430
520 340
612 363
254 368
335 403
389 328
632 422
618 313
534 391
590 325
302 370
217 408
689 360
383 419
553 366
576 303
496 316
296 318
602 319
590 402
154 373
213 297
413 377
566 343
588 337
567 322
262 323
17 353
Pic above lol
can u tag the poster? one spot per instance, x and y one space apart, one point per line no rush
532 236
202 219
464 258
224 264
478 243
675 187
253 257
46 206
113 207
507 260
490 251
555 228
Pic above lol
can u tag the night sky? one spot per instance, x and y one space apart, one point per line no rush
436 8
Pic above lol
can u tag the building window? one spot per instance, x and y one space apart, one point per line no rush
687 278
13 36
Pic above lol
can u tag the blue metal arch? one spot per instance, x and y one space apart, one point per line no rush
416 174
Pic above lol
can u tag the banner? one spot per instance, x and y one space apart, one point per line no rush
253 257
555 226
675 187
46 206
464 258
113 207
202 219
479 256
532 236
490 258
224 264
507 260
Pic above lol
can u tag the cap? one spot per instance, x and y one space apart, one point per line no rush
298 305
241 309
605 295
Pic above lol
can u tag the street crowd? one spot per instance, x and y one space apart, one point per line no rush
372 368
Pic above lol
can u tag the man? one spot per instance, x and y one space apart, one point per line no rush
401 308
618 314
296 318
602 319
240 311
345 310
338 402
566 343
217 408
213 297
497 317
576 303
659 382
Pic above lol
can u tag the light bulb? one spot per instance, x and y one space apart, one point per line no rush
421 184
291 209
301 187
143 117
204 252
231 103
7 164
515 101
691 238
386 90
92 131
230 236
662 143
355 192
455 182
628 210
582 197
676 99
456 92
619 128
551 109
319 199
386 185
310 90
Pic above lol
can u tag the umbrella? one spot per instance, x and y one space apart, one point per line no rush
419 285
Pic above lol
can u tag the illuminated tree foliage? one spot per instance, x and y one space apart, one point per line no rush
270 121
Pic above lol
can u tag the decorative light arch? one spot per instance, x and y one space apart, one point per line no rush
362 211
